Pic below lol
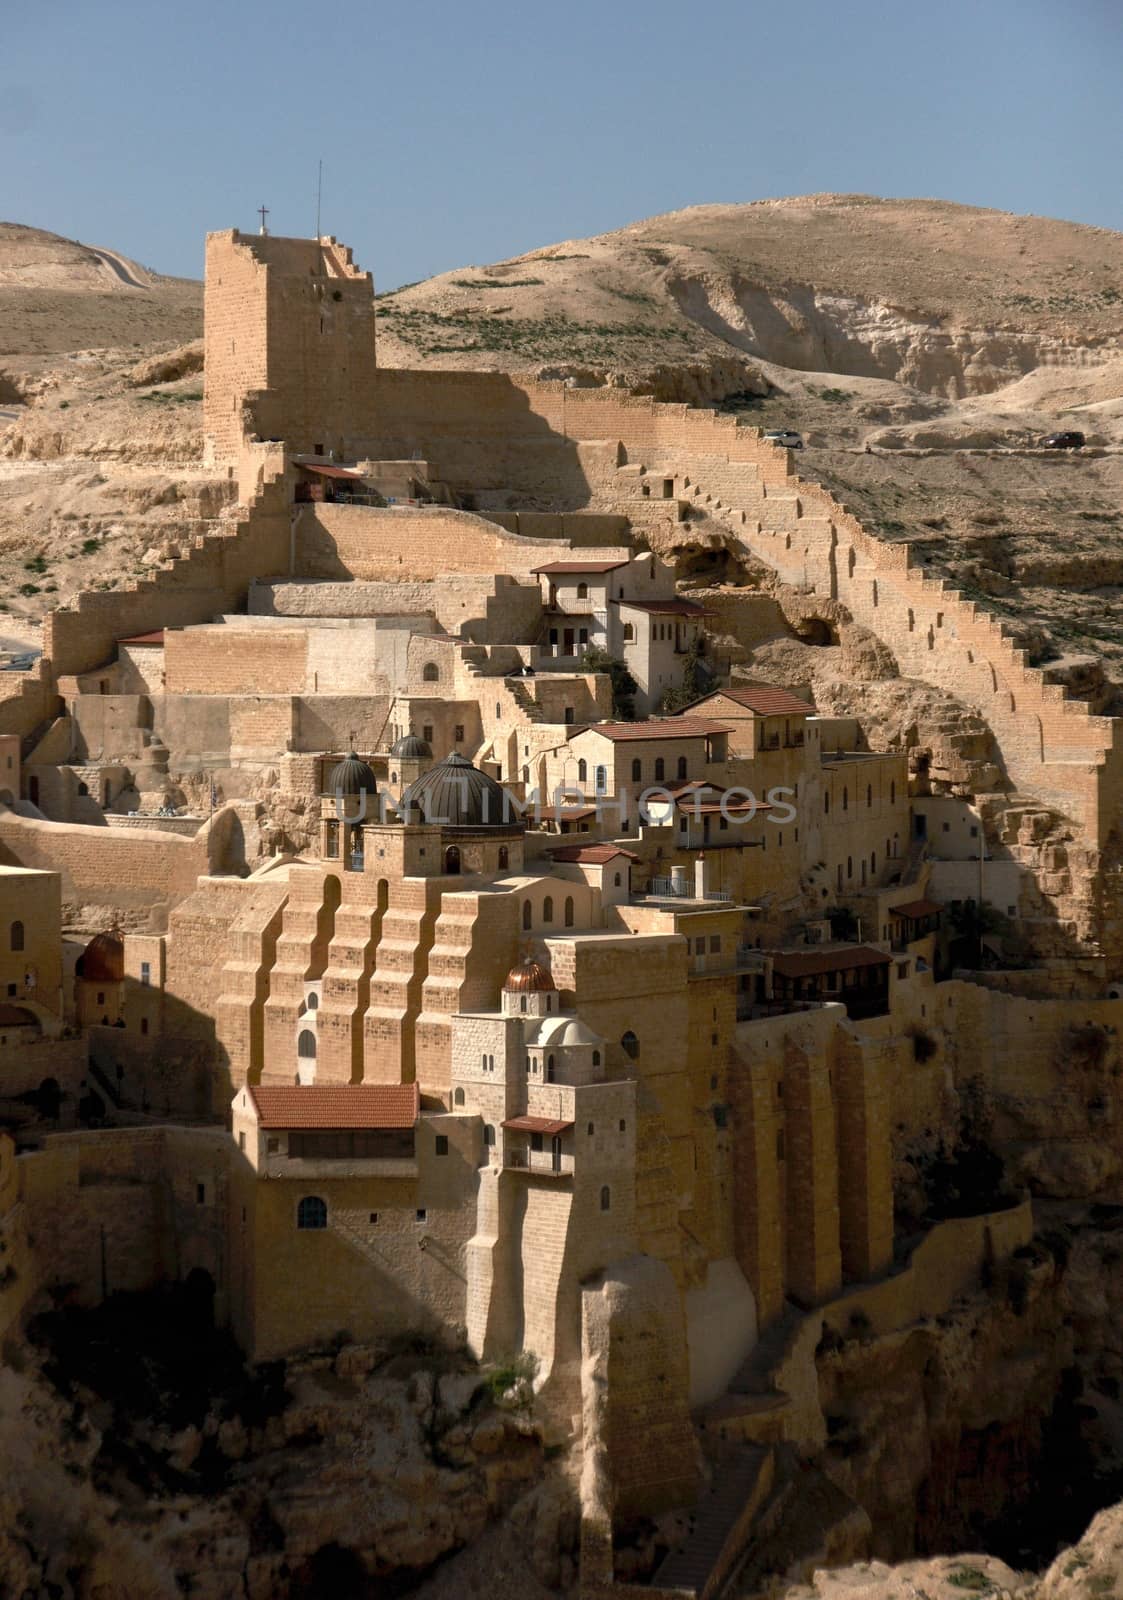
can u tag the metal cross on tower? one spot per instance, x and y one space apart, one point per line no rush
263 212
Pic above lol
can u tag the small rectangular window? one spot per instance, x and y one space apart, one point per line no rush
374 1216
715 943
427 732
272 1146
536 1141
442 1144
241 1141
458 734
422 1214
200 1194
145 973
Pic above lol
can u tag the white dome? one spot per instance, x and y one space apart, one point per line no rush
563 1031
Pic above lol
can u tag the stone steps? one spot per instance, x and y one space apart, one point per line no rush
700 1564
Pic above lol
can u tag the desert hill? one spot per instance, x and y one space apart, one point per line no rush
946 338
57 295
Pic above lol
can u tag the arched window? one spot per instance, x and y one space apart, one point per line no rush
491 1063
582 771
869 794
458 1097
306 1045
617 880
16 942
630 1046
568 915
827 804
483 1061
83 788
637 771
681 768
605 1198
504 858
582 591
601 780
873 861
596 1058
849 866
550 1065
312 1212
845 798
431 672
313 1002
548 909
629 633
526 915
452 860
489 1135
660 769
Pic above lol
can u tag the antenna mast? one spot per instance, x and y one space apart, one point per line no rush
319 193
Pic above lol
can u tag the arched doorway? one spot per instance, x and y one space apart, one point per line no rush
452 860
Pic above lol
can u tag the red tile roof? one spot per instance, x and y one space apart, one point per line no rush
658 728
336 1105
672 608
763 699
330 472
535 1125
156 637
916 908
579 566
591 854
800 964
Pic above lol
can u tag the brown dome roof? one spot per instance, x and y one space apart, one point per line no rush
530 977
103 959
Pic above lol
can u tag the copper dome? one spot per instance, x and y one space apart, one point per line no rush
103 959
530 977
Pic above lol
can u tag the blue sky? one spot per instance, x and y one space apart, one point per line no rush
464 131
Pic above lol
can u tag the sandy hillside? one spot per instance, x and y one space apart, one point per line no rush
945 338
57 295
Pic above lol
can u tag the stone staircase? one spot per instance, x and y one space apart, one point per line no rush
722 1526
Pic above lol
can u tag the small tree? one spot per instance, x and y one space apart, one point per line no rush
695 678
624 686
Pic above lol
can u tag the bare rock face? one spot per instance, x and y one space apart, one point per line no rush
166 367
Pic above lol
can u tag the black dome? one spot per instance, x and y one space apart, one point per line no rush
411 747
351 776
456 794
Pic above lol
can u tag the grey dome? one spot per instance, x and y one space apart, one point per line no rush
351 776
411 748
455 794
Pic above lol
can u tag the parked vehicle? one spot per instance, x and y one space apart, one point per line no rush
1069 440
786 438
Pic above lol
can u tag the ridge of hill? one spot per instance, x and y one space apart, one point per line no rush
922 347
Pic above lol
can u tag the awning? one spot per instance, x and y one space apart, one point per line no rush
796 964
535 1125
332 472
916 908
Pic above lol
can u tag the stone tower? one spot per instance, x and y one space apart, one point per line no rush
290 348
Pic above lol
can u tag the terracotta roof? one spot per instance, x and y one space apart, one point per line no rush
342 1105
578 566
800 964
591 854
916 908
764 700
535 1125
574 812
156 637
331 472
673 608
658 728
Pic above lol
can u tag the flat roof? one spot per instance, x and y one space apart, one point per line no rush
675 608
155 637
330 472
336 1105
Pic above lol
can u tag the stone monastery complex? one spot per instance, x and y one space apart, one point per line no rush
371 947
